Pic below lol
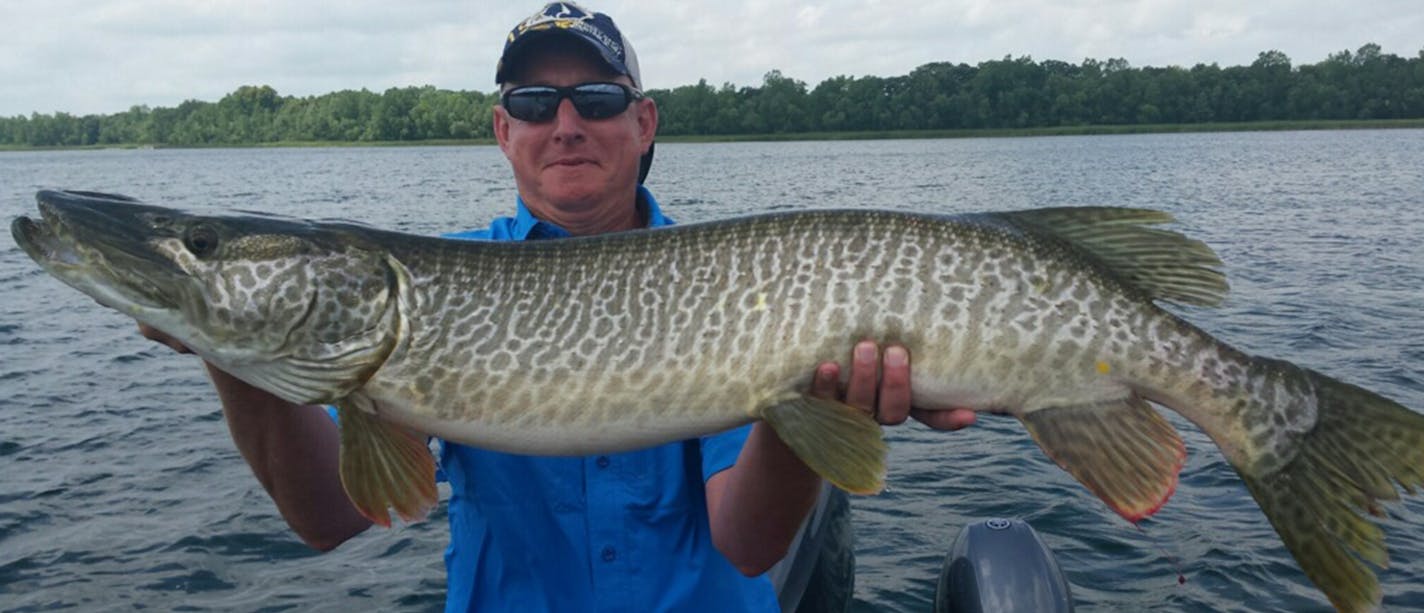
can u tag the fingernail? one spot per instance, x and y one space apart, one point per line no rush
865 352
896 356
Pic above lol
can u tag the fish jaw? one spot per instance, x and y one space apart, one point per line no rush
305 312
102 255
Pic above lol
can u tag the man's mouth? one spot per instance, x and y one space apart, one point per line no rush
572 162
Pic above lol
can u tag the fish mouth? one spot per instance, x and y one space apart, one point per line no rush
41 239
89 241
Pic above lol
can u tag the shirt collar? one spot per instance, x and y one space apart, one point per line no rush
529 227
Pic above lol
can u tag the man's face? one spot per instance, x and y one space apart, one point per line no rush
571 165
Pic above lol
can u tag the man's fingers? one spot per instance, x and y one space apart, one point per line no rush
150 333
156 335
894 399
864 375
880 386
826 383
952 419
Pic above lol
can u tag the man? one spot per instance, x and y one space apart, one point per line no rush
690 525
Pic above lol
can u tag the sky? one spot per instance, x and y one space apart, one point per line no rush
104 56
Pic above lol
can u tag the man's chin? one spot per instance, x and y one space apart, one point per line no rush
570 200
573 185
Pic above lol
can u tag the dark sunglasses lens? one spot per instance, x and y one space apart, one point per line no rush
599 100
591 100
532 103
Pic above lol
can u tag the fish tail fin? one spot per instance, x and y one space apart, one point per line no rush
840 442
1361 448
383 467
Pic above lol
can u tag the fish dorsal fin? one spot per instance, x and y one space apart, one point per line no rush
1122 450
1164 264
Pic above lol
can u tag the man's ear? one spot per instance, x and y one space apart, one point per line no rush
647 121
501 127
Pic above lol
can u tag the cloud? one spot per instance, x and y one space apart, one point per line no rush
106 55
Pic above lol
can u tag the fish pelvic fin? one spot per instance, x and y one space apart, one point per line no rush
1362 448
1122 450
839 442
1165 264
384 466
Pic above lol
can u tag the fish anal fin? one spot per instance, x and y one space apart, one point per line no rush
841 443
384 467
1123 450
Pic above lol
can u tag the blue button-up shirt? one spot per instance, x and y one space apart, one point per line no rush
619 532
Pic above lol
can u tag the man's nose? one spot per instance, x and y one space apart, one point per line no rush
567 122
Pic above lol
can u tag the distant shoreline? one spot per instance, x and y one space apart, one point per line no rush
1089 130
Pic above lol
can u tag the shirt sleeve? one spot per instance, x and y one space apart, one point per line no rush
720 451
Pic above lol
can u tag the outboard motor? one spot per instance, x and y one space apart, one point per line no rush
1001 566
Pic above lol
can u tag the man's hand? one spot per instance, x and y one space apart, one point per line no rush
156 335
880 385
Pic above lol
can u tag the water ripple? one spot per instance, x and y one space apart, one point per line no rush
120 489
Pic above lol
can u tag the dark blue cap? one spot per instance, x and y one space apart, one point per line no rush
568 19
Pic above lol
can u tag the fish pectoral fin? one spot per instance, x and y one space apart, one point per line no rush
301 381
1122 450
384 466
841 443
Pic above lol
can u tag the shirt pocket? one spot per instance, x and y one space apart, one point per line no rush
657 478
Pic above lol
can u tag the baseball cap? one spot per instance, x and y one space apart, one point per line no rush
596 30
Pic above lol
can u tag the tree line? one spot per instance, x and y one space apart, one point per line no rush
995 94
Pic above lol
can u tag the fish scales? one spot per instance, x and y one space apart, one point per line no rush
756 302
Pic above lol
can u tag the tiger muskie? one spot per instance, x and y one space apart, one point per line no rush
622 341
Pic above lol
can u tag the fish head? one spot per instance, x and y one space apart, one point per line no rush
297 307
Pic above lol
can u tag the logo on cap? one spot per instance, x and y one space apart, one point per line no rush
567 16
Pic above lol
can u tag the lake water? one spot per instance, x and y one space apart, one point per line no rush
120 488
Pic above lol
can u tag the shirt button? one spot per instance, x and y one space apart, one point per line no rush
602 461
609 554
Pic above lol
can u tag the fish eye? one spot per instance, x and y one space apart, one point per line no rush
201 241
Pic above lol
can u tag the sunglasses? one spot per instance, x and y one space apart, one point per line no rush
540 103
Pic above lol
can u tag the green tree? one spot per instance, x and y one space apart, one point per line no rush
1366 83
